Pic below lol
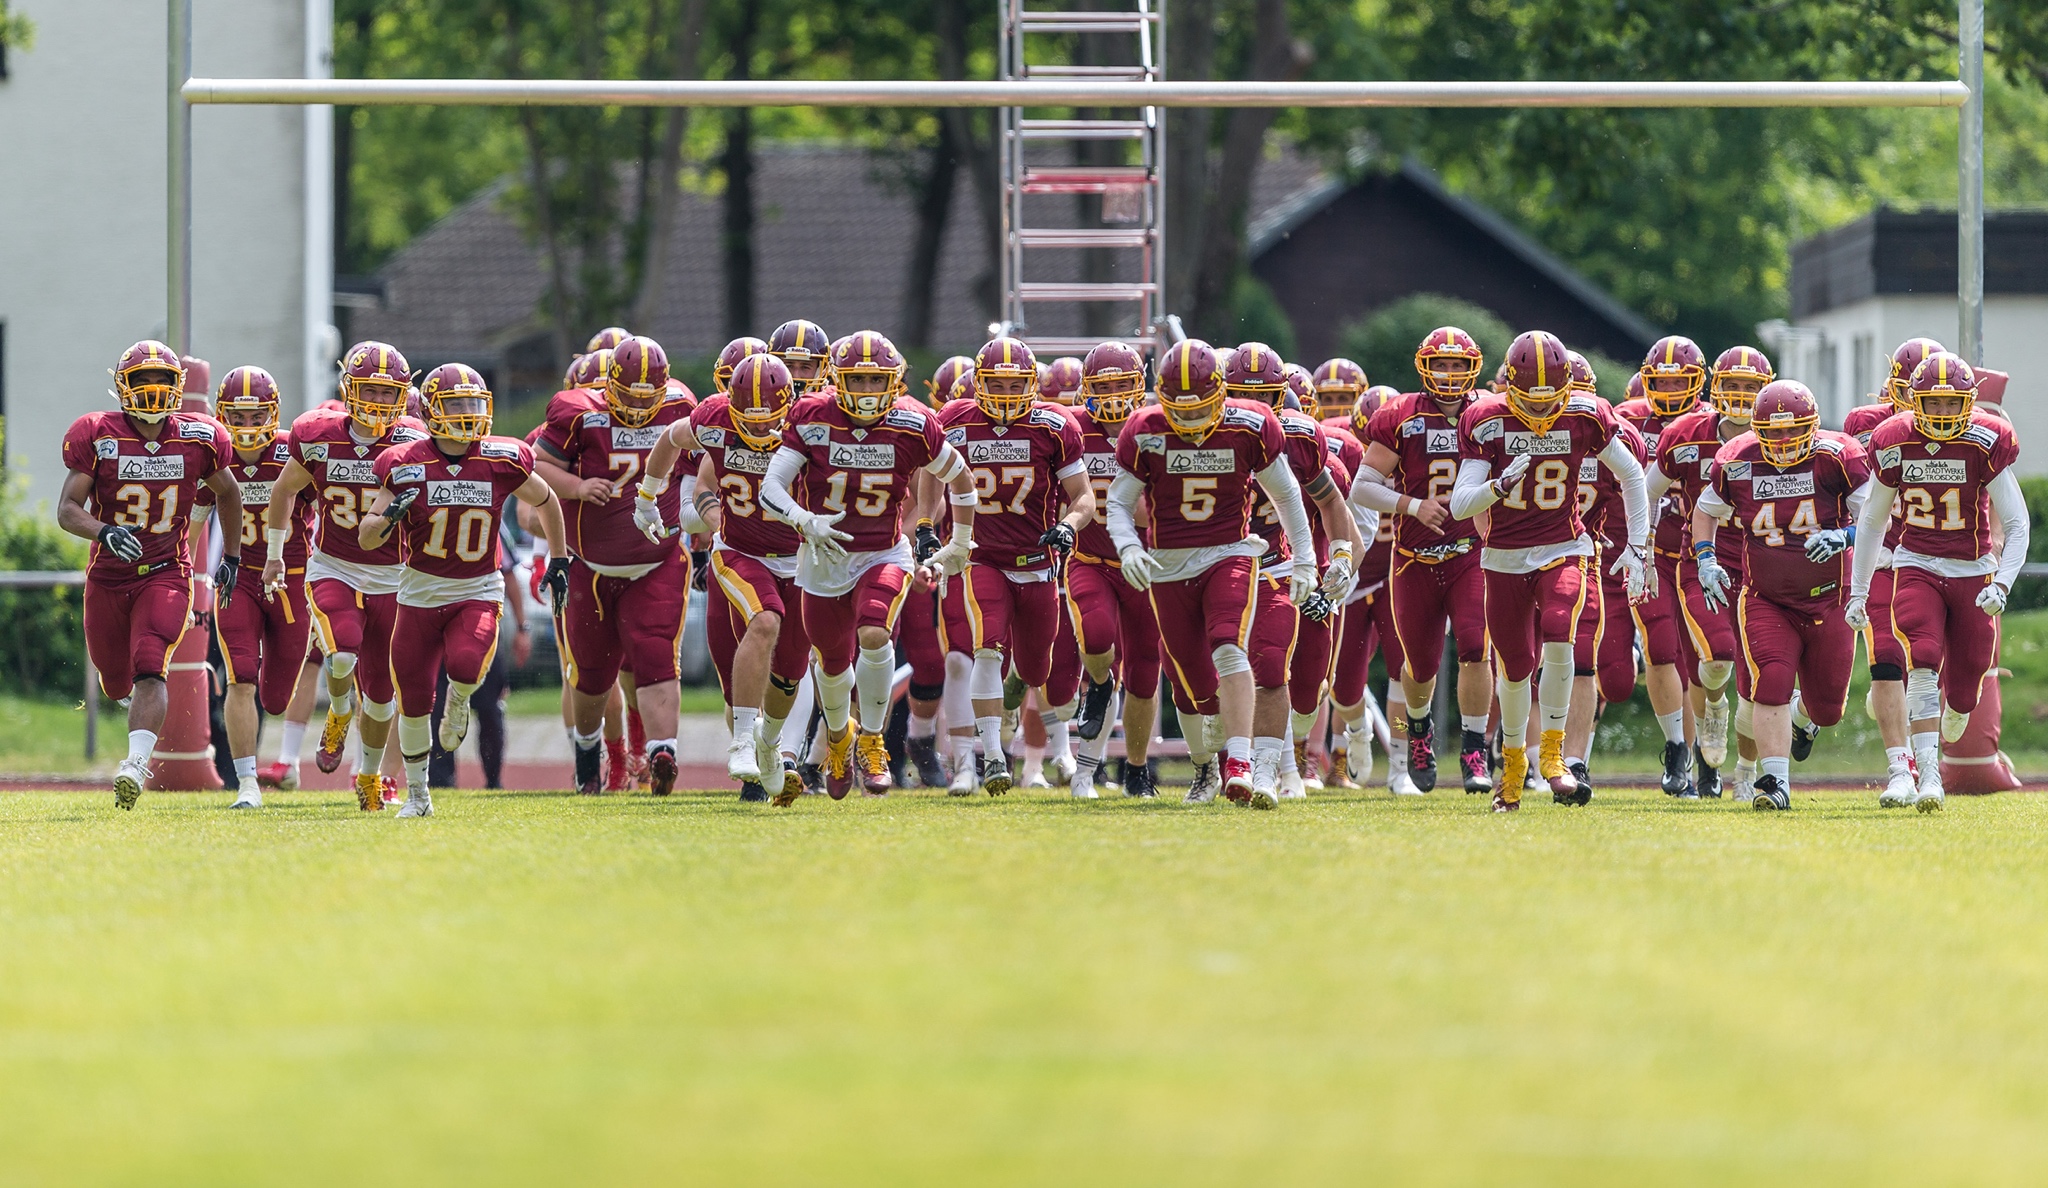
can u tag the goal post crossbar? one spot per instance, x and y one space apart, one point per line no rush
1035 93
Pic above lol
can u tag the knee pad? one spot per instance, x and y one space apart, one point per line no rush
1558 653
1887 672
1230 660
1745 718
986 684
379 711
342 665
1715 673
920 692
1923 695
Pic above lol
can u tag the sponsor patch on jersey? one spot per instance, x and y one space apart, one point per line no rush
1439 441
1488 430
1045 418
1888 457
405 435
1101 465
600 419
1201 461
146 469
711 437
1982 435
195 431
744 460
957 435
1828 445
1414 428
503 449
106 447
1554 444
642 438
999 451
1781 486
1685 453
1152 443
255 494
459 493
1589 469
1298 425
316 451
415 472
360 471
1243 418
904 418
1738 470
1935 470
814 434
874 456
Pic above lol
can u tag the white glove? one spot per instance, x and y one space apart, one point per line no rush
1638 579
1992 600
951 559
1826 545
647 518
1338 580
1301 582
1715 584
827 543
1139 566
1510 475
1856 612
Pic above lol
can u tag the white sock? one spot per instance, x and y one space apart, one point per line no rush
1745 770
1196 728
963 752
1673 725
1476 723
1572 760
1058 745
1237 746
141 745
771 728
991 732
923 727
1092 751
1554 685
290 741
1397 729
656 744
245 768
586 742
1287 764
835 697
373 758
343 705
743 719
1895 758
1514 712
1926 742
875 673
415 742
1780 766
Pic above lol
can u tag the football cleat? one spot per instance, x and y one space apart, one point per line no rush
1514 771
1203 787
839 765
743 758
1472 760
388 789
1141 781
1265 775
924 755
1708 784
1677 770
1357 764
1550 761
615 777
1501 804
421 805
1953 724
589 769
792 785
639 768
280 775
1714 733
1742 787
1582 789
248 795
333 736
751 792
1304 765
963 779
1094 713
454 722
1929 796
1422 754
1900 790
661 771
995 774
812 776
1238 780
129 779
1398 783
1034 774
1768 793
1803 738
369 791
871 754
1081 785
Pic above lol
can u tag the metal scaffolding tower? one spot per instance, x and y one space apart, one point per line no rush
1132 191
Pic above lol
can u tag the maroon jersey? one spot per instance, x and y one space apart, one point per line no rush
344 473
739 467
1201 492
862 471
451 530
579 430
1600 505
1308 455
1098 453
1685 452
1777 508
1670 524
1543 507
1347 454
1943 485
1425 446
256 479
1017 470
1861 422
147 487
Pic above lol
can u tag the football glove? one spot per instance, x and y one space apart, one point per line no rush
1638 579
121 543
1992 600
1827 545
396 509
1317 608
926 543
700 570
827 542
1138 566
1301 583
647 518
1715 584
1856 612
1337 580
556 582
1059 538
230 569
1510 475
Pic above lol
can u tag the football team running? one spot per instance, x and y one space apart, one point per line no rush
1031 550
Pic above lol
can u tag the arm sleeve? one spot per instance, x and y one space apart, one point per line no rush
776 499
1472 493
687 517
1368 521
1278 480
1877 508
1710 502
944 465
1124 491
1621 462
1371 495
1857 499
1655 482
2011 508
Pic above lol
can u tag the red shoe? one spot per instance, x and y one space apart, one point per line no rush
333 736
279 775
839 765
1237 780
637 773
615 765
661 770
636 732
391 793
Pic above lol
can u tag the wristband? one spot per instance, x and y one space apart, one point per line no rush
1851 530
1341 550
652 487
1414 507
963 499
1702 549
276 538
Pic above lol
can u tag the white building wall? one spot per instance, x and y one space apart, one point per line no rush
82 207
1844 354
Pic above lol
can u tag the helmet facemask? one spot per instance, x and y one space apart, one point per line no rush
1111 396
866 392
633 405
1192 416
252 424
460 413
1538 407
1673 388
1786 440
150 392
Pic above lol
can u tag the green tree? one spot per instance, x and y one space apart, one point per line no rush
1384 341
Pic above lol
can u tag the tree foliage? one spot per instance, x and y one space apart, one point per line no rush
1384 341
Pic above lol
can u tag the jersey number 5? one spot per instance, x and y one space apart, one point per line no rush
1197 499
871 500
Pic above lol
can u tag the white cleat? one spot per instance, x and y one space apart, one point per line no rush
1081 785
249 795
1953 724
1930 797
1265 779
767 754
1034 775
1899 790
743 759
1202 789
1399 784
1358 755
1714 732
963 781
1292 786
418 805
129 780
454 722
1063 770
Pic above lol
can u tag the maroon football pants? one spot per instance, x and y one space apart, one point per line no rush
132 627
1940 626
263 638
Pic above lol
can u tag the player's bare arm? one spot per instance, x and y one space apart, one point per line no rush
537 493
73 517
1371 490
553 469
277 517
380 518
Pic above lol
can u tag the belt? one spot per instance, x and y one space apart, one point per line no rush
1438 554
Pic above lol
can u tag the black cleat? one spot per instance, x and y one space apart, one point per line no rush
1581 795
1422 753
995 775
1677 769
1094 713
1141 780
1803 740
813 776
590 769
924 755
752 793
1474 762
1709 786
1769 793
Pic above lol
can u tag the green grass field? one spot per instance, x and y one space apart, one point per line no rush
533 988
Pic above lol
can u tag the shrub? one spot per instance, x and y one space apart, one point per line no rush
1260 317
1384 341
42 632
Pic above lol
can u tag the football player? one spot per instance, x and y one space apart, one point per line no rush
130 482
1113 620
1794 492
606 339
1197 455
1942 464
448 493
801 346
1062 381
1025 460
1665 387
729 358
628 593
1519 458
352 590
1411 463
262 634
855 447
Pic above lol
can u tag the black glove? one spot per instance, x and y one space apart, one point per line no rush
1059 538
1317 608
556 582
700 569
121 543
927 543
224 576
396 509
